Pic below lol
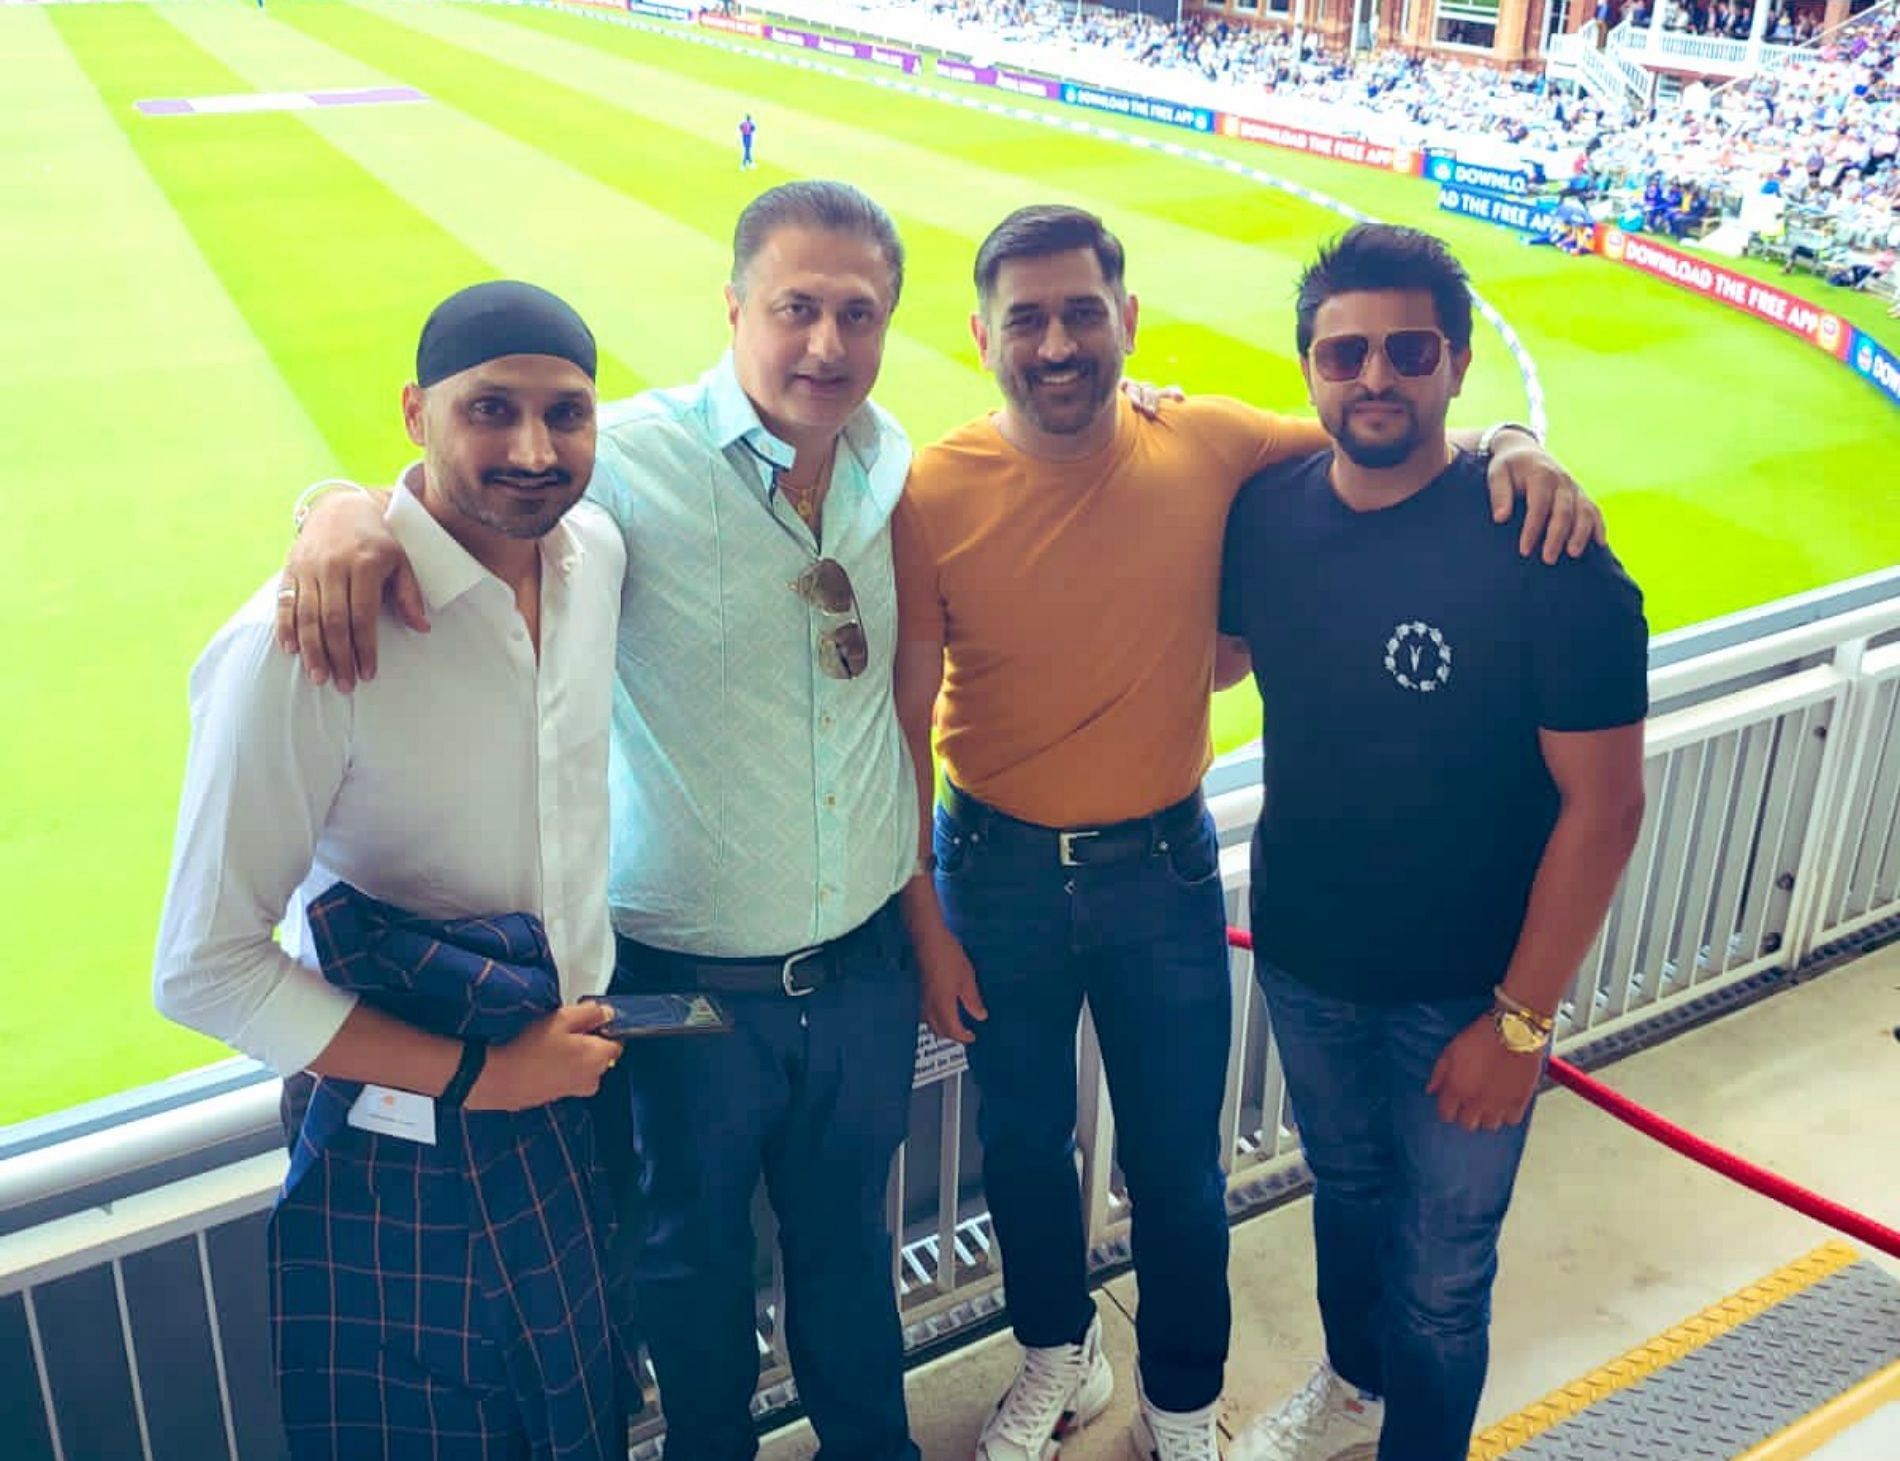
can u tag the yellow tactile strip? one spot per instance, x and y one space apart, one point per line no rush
1665 1349
1814 1430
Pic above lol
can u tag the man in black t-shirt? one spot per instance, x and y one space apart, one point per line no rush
1453 764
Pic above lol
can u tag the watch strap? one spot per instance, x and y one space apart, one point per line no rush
467 1071
1504 1000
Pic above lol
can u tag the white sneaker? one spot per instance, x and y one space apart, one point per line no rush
1174 1435
1326 1420
1057 1391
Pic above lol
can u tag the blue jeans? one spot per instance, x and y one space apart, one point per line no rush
1406 1207
1143 941
813 1093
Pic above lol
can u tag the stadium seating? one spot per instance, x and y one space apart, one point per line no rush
1799 162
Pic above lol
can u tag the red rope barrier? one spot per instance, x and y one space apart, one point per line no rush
1716 1159
1696 1149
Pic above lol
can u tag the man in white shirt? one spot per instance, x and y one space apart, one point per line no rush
468 786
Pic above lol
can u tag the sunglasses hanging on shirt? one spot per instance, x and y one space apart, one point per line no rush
842 650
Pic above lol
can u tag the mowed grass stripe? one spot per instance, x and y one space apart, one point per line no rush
136 406
509 201
121 311
332 270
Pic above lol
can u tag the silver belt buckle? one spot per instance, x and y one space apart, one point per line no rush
1065 846
792 961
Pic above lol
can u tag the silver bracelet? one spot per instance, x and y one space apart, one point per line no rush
315 492
1489 436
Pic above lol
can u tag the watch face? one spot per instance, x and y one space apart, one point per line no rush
1518 1034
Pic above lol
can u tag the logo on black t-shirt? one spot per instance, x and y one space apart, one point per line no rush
1418 657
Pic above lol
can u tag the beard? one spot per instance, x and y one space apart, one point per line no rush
517 507
1375 452
1083 399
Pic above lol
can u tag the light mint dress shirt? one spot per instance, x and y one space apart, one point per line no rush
758 806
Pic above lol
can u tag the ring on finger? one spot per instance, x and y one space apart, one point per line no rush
287 594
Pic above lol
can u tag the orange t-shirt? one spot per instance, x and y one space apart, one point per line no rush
1076 603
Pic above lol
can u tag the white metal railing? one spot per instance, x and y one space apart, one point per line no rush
1639 82
1859 880
1710 55
1601 77
1561 49
133 1144
1773 828
1642 48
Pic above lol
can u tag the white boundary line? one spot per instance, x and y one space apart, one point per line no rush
680 31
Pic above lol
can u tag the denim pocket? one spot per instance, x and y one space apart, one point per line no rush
1195 859
950 845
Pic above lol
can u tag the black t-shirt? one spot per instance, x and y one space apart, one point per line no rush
1408 658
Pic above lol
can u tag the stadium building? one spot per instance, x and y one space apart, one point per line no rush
1511 32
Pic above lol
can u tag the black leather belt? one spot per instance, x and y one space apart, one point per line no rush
1082 846
799 973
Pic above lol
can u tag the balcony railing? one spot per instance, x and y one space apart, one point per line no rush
1617 84
1708 55
132 1277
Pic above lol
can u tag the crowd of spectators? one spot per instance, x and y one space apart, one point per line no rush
1820 132
1433 94
1214 50
1785 26
1821 135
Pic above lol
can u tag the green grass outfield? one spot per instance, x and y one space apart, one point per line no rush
204 313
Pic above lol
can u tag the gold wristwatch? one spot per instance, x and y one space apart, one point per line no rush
1522 1030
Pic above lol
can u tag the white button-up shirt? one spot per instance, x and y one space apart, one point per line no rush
759 806
465 779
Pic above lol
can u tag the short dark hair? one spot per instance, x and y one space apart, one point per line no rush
1041 230
1386 257
816 203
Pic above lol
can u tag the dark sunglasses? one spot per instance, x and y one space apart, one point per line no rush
1410 352
842 650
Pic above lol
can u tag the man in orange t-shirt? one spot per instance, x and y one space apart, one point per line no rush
1058 569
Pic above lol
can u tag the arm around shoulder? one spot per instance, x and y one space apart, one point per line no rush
1249 439
344 563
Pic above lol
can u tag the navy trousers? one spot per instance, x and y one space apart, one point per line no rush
812 1094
